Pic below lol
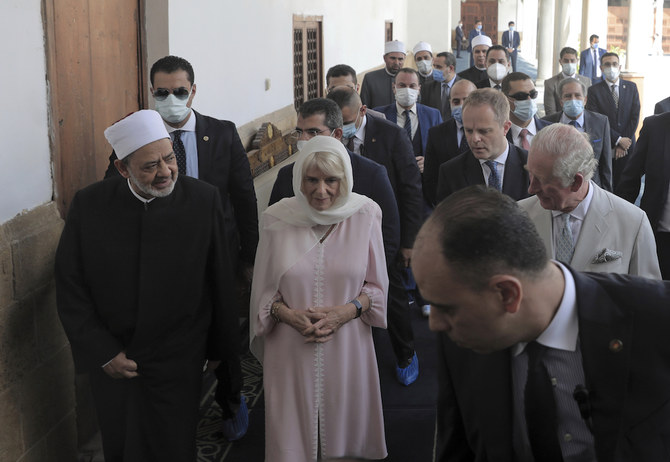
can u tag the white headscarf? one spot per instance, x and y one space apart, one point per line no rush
278 251
297 211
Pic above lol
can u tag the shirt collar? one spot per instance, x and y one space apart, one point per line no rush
582 208
563 330
360 133
501 159
566 120
516 130
401 110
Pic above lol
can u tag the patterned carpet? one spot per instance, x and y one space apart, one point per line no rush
409 412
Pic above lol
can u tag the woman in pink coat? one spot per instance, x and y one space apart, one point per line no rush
319 285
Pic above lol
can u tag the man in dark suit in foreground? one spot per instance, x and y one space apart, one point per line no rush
209 149
619 101
536 361
651 159
491 159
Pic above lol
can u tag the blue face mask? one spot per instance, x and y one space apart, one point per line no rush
573 107
438 76
457 114
479 27
595 46
525 110
511 28
349 130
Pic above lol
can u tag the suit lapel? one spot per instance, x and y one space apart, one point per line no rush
202 140
544 224
392 115
594 227
512 180
473 170
603 327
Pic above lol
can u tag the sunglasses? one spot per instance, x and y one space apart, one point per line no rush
522 96
180 93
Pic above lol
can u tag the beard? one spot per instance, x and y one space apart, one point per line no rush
150 190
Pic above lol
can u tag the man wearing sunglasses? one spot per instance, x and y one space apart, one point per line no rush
211 150
521 95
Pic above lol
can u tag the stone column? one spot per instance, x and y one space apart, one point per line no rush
545 54
562 30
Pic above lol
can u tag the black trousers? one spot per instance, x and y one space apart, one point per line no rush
398 317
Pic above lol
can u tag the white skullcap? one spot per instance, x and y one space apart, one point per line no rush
482 40
394 46
422 46
134 131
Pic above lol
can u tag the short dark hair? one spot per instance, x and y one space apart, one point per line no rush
345 97
510 23
341 70
409 70
330 110
512 77
483 232
567 51
449 58
608 54
170 64
593 36
498 47
477 20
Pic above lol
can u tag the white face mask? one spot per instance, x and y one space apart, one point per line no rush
406 97
496 71
173 109
425 66
611 73
569 68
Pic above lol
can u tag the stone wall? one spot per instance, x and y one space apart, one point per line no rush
37 398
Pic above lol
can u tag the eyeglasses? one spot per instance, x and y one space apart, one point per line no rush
310 132
522 96
180 93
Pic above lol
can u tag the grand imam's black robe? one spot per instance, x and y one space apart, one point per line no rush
154 281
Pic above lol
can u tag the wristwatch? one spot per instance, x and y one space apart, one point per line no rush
359 308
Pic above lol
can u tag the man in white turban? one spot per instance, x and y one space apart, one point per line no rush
377 87
143 282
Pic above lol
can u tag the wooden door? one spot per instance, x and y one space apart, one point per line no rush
486 11
307 59
96 74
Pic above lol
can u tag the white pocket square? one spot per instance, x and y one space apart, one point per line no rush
606 255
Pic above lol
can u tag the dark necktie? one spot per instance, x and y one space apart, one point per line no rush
494 179
615 96
179 151
497 87
540 407
350 145
446 106
464 146
408 124
575 124
595 66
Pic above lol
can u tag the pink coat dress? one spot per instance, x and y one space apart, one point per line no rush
322 399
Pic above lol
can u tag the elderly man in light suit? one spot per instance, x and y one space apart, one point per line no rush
580 223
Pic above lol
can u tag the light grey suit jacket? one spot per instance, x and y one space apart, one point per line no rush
552 100
611 223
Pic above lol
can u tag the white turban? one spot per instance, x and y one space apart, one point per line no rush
134 131
394 46
482 40
422 46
